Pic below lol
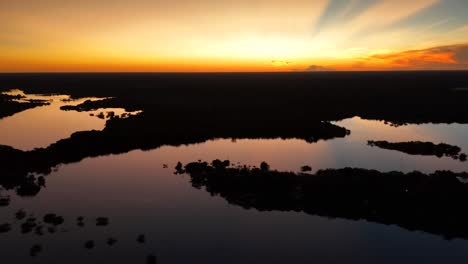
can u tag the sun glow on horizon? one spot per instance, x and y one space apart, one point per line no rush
208 35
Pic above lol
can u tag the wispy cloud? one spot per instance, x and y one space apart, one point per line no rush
387 12
341 11
371 23
234 34
454 57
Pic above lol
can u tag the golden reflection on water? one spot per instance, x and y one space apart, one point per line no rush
44 125
139 195
362 129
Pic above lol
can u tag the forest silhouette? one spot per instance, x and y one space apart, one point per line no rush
432 203
180 109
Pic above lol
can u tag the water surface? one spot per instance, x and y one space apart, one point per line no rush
140 194
44 125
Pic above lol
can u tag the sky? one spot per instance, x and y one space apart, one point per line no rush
226 35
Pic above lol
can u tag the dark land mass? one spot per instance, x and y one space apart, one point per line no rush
124 135
192 108
431 203
422 148
9 106
396 97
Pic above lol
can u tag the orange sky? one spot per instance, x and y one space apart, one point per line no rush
242 35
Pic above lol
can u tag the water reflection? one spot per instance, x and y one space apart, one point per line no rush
410 200
24 168
51 225
46 124
13 103
123 170
141 196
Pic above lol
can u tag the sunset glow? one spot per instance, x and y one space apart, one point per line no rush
209 35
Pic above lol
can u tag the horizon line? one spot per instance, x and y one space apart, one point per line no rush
230 72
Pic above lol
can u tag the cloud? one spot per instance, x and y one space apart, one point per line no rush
444 58
387 12
318 68
342 10
450 57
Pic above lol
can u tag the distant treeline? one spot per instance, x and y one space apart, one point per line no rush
431 203
135 132
422 148
397 97
10 106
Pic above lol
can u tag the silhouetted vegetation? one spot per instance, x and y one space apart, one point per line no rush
462 157
264 166
53 219
87 105
4 228
4 200
30 225
80 221
9 106
35 250
428 202
89 244
102 221
191 108
20 215
111 241
391 96
151 259
422 148
20 168
141 239
292 105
